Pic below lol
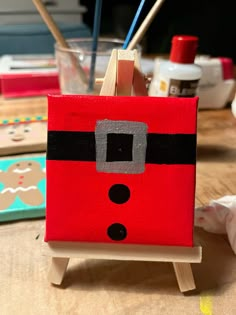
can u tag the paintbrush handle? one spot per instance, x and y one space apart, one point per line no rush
47 18
144 26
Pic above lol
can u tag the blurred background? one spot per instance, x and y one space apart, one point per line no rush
213 21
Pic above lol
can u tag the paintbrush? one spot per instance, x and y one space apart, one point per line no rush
96 29
47 18
144 26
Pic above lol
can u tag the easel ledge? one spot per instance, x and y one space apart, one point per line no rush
180 257
89 250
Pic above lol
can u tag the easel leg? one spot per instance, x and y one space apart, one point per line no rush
57 269
184 275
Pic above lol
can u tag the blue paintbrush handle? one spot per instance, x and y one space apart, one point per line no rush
96 30
132 27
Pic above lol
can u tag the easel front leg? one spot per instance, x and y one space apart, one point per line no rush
184 275
57 269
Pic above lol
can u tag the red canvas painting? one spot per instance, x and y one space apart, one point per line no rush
121 169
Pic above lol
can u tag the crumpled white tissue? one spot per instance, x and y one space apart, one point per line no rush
219 217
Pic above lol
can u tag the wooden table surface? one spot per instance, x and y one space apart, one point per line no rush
118 287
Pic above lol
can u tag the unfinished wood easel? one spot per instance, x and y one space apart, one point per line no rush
123 77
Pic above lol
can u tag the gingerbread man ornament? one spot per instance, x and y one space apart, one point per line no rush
21 180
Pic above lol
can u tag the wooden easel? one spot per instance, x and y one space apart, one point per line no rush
123 77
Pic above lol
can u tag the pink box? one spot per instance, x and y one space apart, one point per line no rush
28 75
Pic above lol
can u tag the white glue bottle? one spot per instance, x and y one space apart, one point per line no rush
177 76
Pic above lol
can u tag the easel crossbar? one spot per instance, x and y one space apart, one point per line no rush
88 250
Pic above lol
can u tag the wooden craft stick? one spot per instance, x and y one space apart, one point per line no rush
139 81
109 81
144 26
125 71
47 18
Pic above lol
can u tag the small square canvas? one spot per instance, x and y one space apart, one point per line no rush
121 169
21 135
22 188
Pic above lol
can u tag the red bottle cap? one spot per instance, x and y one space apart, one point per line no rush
227 67
183 49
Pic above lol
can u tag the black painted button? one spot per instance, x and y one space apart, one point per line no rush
117 232
119 193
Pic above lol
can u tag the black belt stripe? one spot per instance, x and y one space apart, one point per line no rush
161 148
